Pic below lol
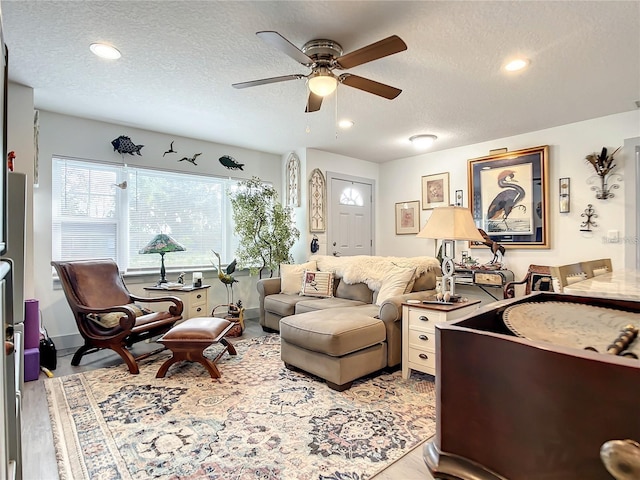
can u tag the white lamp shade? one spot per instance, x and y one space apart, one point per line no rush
323 85
451 223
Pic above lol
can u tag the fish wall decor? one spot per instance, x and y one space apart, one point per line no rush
230 163
123 144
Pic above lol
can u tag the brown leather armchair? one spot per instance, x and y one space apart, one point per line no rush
105 313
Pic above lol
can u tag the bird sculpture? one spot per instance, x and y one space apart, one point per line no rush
508 199
493 245
225 276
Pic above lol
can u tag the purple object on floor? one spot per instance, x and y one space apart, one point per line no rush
31 323
31 364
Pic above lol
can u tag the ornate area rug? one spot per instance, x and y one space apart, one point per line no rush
258 421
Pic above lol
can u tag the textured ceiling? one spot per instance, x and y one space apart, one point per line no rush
181 57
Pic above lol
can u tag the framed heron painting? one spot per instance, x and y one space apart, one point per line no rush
509 197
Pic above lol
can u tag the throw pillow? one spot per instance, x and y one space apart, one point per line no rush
291 276
394 283
110 320
317 284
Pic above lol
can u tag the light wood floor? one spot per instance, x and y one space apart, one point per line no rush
38 453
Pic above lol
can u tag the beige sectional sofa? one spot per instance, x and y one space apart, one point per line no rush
355 328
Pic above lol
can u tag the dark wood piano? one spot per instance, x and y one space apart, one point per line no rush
514 408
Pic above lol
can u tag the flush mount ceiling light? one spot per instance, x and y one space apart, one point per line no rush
423 141
517 64
322 82
345 123
103 50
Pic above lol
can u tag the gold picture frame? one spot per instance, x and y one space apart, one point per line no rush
408 217
509 197
435 191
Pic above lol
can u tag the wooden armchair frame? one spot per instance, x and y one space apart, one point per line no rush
96 287
536 275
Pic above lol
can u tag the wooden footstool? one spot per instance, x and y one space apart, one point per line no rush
188 340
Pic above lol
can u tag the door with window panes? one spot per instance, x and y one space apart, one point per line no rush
351 226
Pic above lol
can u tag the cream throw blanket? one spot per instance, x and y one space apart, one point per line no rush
371 270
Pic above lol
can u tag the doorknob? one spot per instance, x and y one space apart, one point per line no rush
336 254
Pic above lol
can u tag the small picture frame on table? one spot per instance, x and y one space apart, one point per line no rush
408 217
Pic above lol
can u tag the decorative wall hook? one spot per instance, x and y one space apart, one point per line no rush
590 213
603 165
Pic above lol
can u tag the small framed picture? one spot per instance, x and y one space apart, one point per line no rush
458 198
408 217
565 195
435 191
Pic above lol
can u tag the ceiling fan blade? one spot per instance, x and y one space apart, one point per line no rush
285 46
266 81
383 48
370 86
314 102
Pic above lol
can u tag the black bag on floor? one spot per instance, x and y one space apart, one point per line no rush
48 353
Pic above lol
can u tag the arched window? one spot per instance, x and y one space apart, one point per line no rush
351 196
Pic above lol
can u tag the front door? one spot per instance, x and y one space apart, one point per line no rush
350 216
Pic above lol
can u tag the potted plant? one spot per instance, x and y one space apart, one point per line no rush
265 227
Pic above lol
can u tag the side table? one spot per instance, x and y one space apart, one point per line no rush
195 299
418 332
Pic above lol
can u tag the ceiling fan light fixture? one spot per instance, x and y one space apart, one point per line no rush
322 82
422 141
103 50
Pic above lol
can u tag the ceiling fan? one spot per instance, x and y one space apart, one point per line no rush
324 56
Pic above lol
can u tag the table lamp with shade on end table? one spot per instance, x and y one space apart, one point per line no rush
450 224
162 243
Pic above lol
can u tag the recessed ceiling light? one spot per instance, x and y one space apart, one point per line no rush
423 141
345 123
517 64
103 50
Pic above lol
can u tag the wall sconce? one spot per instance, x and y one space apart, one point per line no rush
565 195
589 214
603 165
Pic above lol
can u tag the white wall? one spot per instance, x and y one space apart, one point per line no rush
400 181
82 138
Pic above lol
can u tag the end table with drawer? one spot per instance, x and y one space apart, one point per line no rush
418 332
194 299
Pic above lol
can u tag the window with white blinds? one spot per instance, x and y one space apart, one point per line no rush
112 211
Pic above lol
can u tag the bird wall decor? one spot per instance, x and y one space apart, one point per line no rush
171 150
226 276
508 199
192 159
